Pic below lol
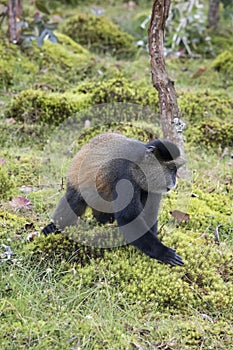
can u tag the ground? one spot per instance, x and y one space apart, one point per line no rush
56 292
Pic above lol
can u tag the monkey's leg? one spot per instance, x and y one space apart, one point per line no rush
150 203
70 207
137 232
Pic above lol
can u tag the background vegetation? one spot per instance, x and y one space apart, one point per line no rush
58 294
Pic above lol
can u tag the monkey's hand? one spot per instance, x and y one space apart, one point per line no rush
50 228
170 257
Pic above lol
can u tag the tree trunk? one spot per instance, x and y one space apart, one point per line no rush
14 14
213 14
170 114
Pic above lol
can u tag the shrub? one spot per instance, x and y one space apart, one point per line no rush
224 63
40 106
211 134
7 185
200 106
99 35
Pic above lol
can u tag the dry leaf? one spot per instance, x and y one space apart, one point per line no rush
180 216
19 202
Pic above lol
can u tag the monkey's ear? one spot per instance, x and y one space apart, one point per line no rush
151 148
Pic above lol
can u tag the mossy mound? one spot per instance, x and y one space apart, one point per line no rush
7 185
99 35
200 106
211 134
66 60
70 44
222 41
203 283
39 106
208 211
14 67
224 63
120 90
144 133
208 114
58 248
12 225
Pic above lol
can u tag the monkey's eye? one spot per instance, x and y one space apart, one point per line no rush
172 168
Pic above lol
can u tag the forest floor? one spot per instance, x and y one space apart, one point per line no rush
58 293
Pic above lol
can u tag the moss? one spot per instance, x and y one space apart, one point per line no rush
59 248
207 211
71 45
120 89
99 35
14 67
7 185
53 108
11 224
213 134
133 130
224 63
40 106
222 41
203 283
65 59
197 107
6 74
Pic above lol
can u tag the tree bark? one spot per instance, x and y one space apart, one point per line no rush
14 14
170 114
213 14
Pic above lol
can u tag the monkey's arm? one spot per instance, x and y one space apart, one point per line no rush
135 226
69 208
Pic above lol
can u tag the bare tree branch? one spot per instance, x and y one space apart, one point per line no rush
170 114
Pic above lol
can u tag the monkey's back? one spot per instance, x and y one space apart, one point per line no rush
94 163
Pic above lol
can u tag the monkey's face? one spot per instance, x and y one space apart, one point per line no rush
170 172
156 175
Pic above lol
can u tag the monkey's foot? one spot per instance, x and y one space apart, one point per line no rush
50 228
170 257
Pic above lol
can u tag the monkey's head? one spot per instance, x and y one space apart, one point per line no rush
159 167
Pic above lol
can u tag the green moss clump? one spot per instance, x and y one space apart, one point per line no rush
133 130
11 224
197 107
53 108
224 63
39 106
59 248
14 67
222 41
203 283
6 74
211 134
66 60
99 35
70 44
120 89
7 185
